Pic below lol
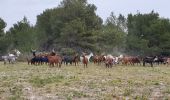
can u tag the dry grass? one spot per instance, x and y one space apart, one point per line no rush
22 81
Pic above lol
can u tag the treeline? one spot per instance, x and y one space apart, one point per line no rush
75 26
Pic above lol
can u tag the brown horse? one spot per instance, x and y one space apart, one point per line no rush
98 59
109 62
54 60
127 60
131 60
76 59
135 60
85 61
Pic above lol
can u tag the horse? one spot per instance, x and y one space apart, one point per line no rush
67 59
126 60
11 57
85 61
135 60
98 59
76 59
71 59
159 60
149 60
167 61
110 60
54 60
86 56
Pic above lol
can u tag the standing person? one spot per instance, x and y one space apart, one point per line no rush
33 51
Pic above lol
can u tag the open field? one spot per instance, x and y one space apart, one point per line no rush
21 81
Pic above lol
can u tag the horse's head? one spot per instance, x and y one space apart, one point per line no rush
121 56
17 52
91 54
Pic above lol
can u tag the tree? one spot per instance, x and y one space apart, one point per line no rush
3 44
72 25
2 27
22 36
112 35
148 34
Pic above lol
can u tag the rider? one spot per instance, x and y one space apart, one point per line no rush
33 51
53 52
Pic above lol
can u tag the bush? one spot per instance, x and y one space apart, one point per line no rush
67 51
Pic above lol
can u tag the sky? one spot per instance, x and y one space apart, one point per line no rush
12 11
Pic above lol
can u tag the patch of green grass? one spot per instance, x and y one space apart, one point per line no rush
167 90
69 98
16 92
116 81
16 97
40 82
92 85
128 91
143 97
75 94
79 94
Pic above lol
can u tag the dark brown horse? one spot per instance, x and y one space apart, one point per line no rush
135 60
76 59
109 62
96 59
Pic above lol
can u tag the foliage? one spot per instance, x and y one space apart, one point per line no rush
148 34
67 51
74 26
2 36
71 25
22 36
112 35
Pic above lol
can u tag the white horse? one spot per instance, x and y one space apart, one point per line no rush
11 58
87 56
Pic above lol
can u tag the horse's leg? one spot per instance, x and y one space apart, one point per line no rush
28 62
151 64
60 64
54 64
143 63
5 62
77 63
133 63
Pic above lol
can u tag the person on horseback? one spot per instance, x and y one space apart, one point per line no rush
53 52
33 51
